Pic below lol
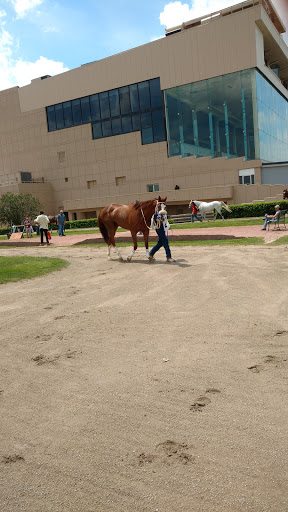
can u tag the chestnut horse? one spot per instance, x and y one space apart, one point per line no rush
135 217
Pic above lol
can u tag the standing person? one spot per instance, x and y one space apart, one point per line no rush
194 213
61 220
27 226
161 226
43 222
285 194
268 218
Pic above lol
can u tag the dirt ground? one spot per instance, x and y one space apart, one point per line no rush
147 387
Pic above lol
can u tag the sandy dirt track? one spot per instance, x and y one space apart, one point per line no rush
146 387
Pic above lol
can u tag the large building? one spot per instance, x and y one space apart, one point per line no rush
199 114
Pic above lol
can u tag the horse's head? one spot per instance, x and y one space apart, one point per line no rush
160 207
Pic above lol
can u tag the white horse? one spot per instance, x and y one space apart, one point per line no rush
204 208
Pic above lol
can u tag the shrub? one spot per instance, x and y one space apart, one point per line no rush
77 224
253 210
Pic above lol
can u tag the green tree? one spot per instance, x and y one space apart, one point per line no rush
14 208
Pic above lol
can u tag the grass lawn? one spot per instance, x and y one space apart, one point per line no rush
239 241
16 268
281 241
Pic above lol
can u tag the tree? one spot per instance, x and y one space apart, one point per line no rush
14 208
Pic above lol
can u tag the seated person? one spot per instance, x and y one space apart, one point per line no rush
271 218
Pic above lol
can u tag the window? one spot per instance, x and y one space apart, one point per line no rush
85 110
91 184
61 156
66 180
153 188
135 107
120 180
247 177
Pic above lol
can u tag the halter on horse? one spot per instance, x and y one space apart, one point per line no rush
135 217
204 208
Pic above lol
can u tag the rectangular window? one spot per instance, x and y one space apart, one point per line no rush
114 103
126 124
76 112
95 107
134 98
91 184
147 135
59 116
144 95
67 114
159 132
136 125
61 156
85 110
104 105
155 93
120 180
97 131
124 100
106 128
146 120
116 126
153 188
51 118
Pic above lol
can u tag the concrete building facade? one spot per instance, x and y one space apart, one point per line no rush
200 109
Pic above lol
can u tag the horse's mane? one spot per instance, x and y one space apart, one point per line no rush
143 204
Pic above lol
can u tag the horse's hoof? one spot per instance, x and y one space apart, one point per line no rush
129 258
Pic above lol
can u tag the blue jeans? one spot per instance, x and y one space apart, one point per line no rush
197 218
162 242
267 220
61 229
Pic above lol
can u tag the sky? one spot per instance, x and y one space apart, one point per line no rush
47 37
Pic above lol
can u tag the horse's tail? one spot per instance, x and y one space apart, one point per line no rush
103 229
226 207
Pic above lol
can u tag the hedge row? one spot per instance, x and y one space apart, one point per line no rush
71 224
77 224
253 210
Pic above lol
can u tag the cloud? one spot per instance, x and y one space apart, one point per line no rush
19 71
175 13
23 6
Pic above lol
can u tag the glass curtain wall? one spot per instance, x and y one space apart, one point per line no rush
136 107
272 122
212 117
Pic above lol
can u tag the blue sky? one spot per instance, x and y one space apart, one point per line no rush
39 37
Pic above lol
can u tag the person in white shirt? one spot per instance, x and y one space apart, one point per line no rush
43 223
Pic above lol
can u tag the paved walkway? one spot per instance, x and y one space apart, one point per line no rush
229 231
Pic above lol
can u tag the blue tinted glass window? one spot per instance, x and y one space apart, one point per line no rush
76 112
116 126
126 124
59 116
97 130
144 95
106 128
159 132
85 110
155 93
67 114
114 103
134 98
147 135
51 119
95 107
124 100
136 125
104 105
146 120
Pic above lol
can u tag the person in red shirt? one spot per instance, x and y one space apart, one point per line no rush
194 213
